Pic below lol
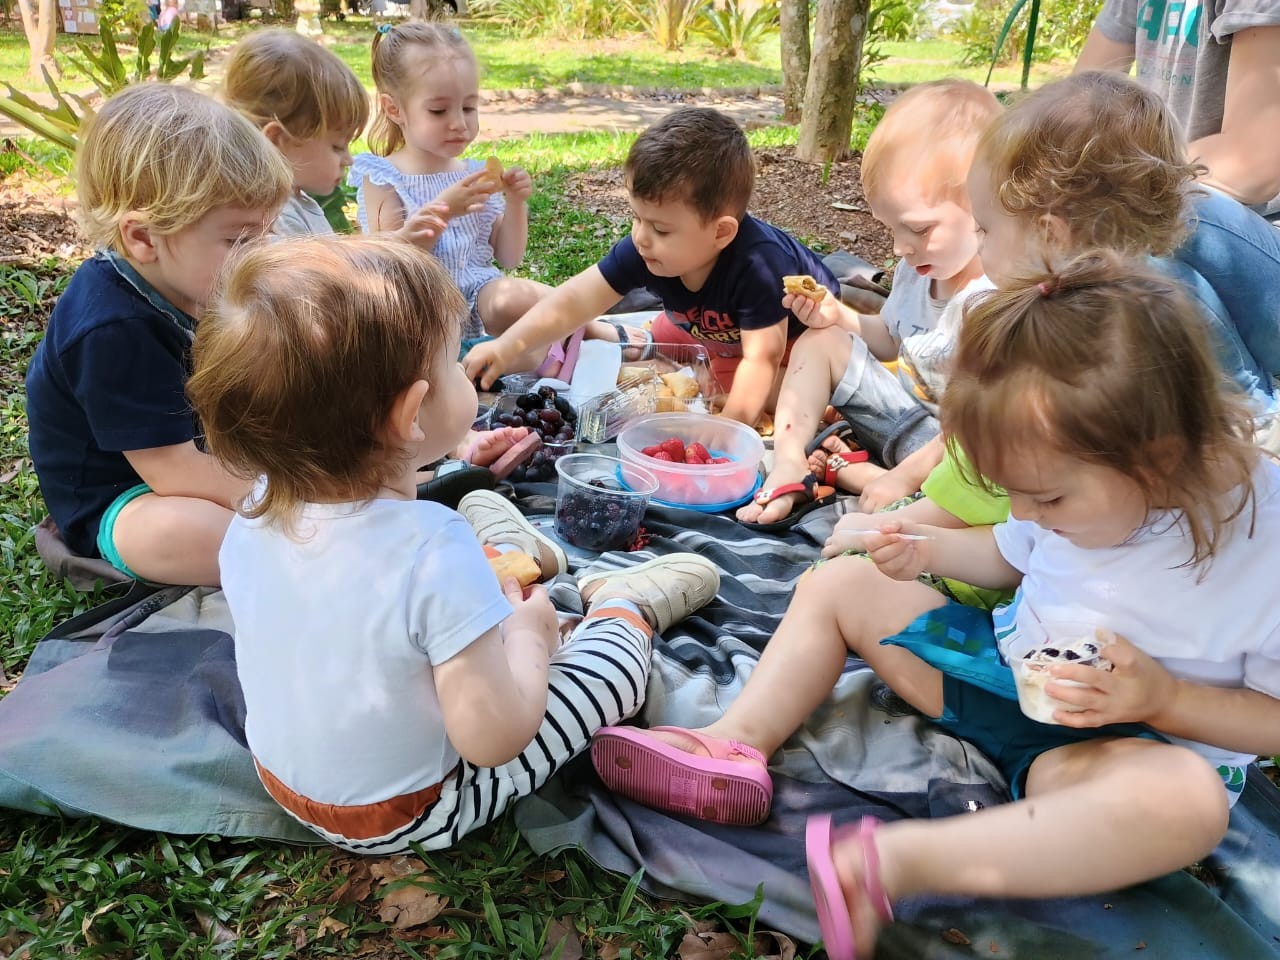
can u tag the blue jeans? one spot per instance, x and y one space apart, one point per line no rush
1237 253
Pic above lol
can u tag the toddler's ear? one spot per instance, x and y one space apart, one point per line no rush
137 238
1055 231
276 133
726 230
390 107
403 423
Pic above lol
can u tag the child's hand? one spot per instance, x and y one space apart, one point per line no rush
1135 690
518 184
850 533
486 361
468 195
898 552
883 490
533 614
423 229
816 315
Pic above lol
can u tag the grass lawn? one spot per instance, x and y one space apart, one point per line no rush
513 62
96 890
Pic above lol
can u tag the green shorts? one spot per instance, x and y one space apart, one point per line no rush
107 529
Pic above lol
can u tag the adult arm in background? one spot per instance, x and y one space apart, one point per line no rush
1243 159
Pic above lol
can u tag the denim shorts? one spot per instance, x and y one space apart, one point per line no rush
886 419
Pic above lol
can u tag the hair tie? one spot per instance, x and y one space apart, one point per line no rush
385 28
1046 289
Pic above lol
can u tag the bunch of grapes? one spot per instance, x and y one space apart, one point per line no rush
553 419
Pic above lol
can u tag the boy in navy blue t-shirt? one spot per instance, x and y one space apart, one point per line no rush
169 183
717 269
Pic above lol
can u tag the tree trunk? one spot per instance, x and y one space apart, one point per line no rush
794 36
831 93
41 28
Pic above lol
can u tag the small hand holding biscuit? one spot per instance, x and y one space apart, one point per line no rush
514 564
815 314
468 195
518 183
803 285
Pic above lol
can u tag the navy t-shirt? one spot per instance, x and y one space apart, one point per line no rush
743 291
109 376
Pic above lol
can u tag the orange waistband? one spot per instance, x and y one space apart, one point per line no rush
356 822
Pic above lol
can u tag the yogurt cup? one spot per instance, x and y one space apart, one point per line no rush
1065 642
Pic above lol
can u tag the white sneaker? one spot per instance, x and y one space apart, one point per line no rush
666 590
496 520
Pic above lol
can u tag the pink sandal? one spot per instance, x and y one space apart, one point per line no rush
833 912
731 786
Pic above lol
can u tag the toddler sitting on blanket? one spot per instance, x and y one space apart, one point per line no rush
396 692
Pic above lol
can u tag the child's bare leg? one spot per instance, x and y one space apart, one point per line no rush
844 605
172 539
1098 816
817 363
503 301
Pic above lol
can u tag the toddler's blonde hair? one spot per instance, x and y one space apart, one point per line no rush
1100 151
930 133
305 347
399 56
280 75
172 155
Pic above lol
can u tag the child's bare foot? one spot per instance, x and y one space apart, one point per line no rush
496 521
770 506
832 460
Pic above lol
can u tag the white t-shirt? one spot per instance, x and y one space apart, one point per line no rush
337 629
1223 630
926 329
301 216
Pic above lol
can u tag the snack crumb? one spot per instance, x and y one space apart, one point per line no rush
952 935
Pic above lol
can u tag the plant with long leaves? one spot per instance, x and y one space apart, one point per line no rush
106 70
1028 48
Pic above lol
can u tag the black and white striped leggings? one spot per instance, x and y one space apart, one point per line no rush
596 678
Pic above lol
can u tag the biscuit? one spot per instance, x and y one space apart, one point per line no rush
493 167
516 564
682 386
803 285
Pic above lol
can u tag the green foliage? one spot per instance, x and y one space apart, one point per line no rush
666 21
900 20
107 70
563 19
335 208
1059 33
132 14
738 27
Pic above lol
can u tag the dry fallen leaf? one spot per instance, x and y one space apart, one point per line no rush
11 472
389 869
215 928
86 925
768 945
410 906
611 949
356 887
330 925
559 933
952 935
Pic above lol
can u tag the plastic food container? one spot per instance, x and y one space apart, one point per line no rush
721 485
600 501
1066 642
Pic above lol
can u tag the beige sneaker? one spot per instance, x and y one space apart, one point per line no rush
666 590
496 520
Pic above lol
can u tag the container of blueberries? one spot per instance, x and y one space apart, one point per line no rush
548 415
600 501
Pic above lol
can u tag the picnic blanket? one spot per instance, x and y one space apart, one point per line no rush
132 713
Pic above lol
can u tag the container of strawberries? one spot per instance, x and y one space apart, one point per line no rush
700 461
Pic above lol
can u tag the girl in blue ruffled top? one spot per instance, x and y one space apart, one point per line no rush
428 109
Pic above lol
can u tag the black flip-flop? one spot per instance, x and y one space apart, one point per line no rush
450 488
810 486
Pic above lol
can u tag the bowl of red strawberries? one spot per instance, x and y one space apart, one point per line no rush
700 461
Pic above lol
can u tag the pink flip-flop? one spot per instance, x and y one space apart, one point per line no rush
730 786
828 896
